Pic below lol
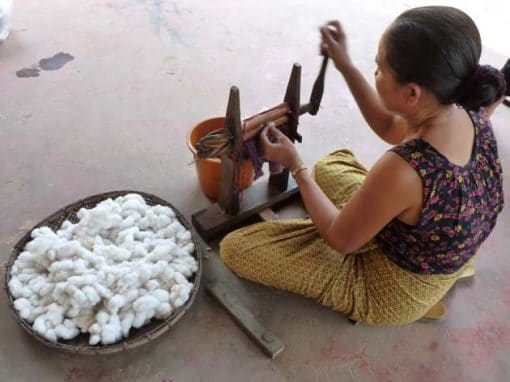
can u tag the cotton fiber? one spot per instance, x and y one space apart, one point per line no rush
120 265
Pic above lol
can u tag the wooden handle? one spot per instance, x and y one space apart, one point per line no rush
318 88
264 117
254 131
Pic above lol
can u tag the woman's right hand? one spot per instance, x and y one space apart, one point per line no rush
334 44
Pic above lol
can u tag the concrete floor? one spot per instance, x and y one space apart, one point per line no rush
116 117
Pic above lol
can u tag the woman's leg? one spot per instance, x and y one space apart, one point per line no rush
290 254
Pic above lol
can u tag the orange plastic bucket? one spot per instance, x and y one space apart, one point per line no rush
209 169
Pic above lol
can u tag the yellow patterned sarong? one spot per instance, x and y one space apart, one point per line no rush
365 286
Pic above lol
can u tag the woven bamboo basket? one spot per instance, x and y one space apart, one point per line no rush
137 337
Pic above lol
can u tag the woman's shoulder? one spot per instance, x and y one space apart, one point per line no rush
416 152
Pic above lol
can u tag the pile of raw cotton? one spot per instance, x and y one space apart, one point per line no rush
122 264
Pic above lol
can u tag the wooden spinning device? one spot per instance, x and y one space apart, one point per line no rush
231 210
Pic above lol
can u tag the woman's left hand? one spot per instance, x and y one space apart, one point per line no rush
276 147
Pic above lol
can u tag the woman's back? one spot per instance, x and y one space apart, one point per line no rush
460 204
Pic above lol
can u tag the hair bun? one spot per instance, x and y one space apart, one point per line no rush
506 73
483 87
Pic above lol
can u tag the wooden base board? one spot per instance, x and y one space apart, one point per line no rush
213 222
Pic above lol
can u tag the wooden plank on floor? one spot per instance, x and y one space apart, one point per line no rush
266 340
229 290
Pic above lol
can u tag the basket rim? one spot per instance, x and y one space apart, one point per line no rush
124 344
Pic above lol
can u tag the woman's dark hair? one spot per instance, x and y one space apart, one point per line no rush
439 48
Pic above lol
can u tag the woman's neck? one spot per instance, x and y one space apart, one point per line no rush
426 121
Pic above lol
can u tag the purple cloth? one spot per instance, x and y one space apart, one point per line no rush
251 150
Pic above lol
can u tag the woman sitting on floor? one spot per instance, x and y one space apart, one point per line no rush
384 245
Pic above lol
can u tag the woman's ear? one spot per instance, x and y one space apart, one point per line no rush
412 94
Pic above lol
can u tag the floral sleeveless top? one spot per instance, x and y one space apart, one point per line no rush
460 205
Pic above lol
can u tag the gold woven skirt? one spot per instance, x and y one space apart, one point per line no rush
365 286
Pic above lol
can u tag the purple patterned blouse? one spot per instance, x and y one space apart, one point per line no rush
460 205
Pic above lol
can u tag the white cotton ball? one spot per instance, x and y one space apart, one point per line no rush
111 332
137 197
161 221
80 266
86 241
161 294
103 292
144 223
40 285
163 310
149 314
74 310
30 271
119 200
98 242
80 280
93 259
184 269
39 246
31 314
59 290
60 276
82 213
135 205
39 325
25 278
26 259
159 268
152 284
128 222
55 314
94 339
144 272
67 330
115 303
126 236
66 230
95 328
18 289
161 252
34 300
184 236
102 217
127 322
63 265
51 335
91 294
24 307
139 319
41 231
131 295
179 294
163 210
112 253
102 317
174 228
145 303
131 279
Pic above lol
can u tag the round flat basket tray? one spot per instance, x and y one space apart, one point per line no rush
137 337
